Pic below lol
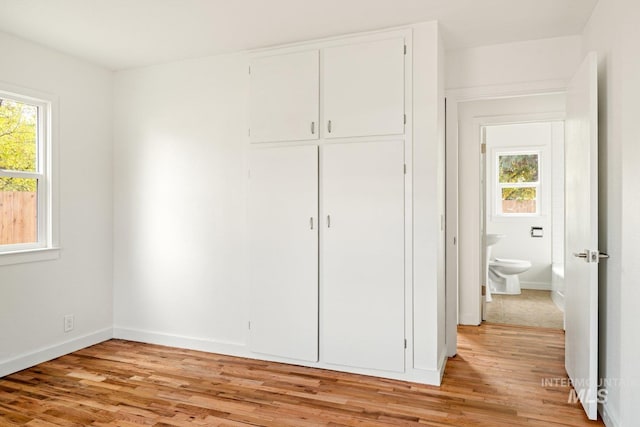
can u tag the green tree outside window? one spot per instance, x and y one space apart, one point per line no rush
518 182
18 139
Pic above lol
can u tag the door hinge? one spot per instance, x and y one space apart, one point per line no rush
249 69
405 168
483 148
249 324
405 343
249 131
405 49
405 119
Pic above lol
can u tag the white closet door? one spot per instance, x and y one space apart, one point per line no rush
363 255
283 251
364 89
284 96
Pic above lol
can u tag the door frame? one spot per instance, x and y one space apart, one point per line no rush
454 98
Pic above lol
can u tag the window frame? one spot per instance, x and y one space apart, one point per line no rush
498 186
46 246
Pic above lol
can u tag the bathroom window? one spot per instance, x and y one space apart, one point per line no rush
518 183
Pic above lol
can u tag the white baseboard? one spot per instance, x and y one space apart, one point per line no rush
424 376
418 374
468 319
45 354
538 286
609 419
442 363
179 341
558 299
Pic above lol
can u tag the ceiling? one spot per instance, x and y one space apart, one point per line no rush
121 34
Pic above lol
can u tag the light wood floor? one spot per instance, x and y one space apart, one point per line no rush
496 380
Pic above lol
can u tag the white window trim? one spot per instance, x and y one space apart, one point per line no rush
498 186
47 247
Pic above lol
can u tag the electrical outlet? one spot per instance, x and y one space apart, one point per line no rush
69 321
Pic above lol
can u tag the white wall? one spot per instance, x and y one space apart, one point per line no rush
428 198
518 243
35 296
180 201
529 61
557 216
612 32
557 193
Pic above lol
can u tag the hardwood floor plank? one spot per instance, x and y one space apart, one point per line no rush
496 380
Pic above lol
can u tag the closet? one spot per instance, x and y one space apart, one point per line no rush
326 204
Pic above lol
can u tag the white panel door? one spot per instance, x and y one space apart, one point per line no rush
283 252
362 307
364 89
581 222
284 97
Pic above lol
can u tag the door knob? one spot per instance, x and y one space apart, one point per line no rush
591 256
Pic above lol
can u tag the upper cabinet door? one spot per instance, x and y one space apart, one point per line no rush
284 97
364 89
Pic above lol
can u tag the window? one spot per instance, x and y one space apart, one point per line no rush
518 183
25 180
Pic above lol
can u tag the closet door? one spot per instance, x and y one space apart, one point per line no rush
362 278
283 251
284 92
364 89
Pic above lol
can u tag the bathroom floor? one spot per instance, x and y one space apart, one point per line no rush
530 308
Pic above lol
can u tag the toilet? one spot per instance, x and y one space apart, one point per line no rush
504 275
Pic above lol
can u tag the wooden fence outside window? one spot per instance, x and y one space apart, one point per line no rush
18 217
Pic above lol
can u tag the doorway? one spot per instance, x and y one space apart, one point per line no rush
473 118
468 112
522 222
466 241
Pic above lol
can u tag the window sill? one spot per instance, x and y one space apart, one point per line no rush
29 255
517 218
